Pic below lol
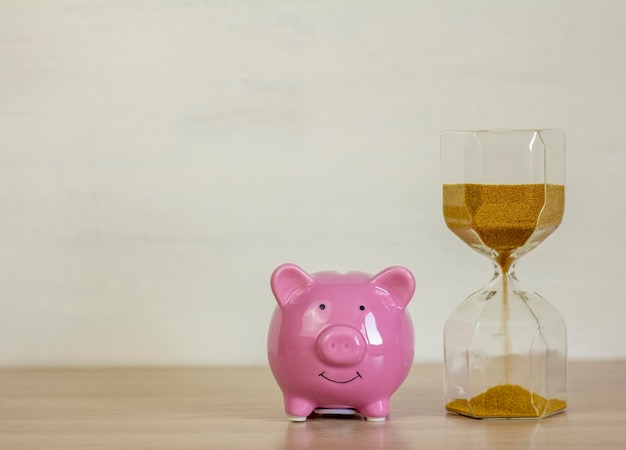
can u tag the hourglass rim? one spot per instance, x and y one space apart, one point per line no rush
502 130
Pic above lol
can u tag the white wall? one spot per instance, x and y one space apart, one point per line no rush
158 159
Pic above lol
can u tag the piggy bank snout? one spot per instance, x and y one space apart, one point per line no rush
340 346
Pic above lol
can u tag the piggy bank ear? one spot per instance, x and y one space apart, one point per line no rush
286 280
398 282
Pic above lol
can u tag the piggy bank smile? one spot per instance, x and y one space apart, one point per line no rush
357 376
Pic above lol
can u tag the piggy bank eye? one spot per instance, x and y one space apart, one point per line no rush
322 306
362 308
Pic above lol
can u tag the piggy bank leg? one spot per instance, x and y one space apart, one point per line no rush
376 411
298 408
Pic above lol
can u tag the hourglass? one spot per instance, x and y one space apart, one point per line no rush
505 347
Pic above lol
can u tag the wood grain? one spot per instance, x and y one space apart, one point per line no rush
222 408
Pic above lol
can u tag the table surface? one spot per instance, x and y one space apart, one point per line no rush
221 408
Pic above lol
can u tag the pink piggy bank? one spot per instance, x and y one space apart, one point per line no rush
340 341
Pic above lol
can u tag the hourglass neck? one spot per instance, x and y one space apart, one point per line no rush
505 265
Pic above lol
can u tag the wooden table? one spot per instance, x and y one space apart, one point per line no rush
222 408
